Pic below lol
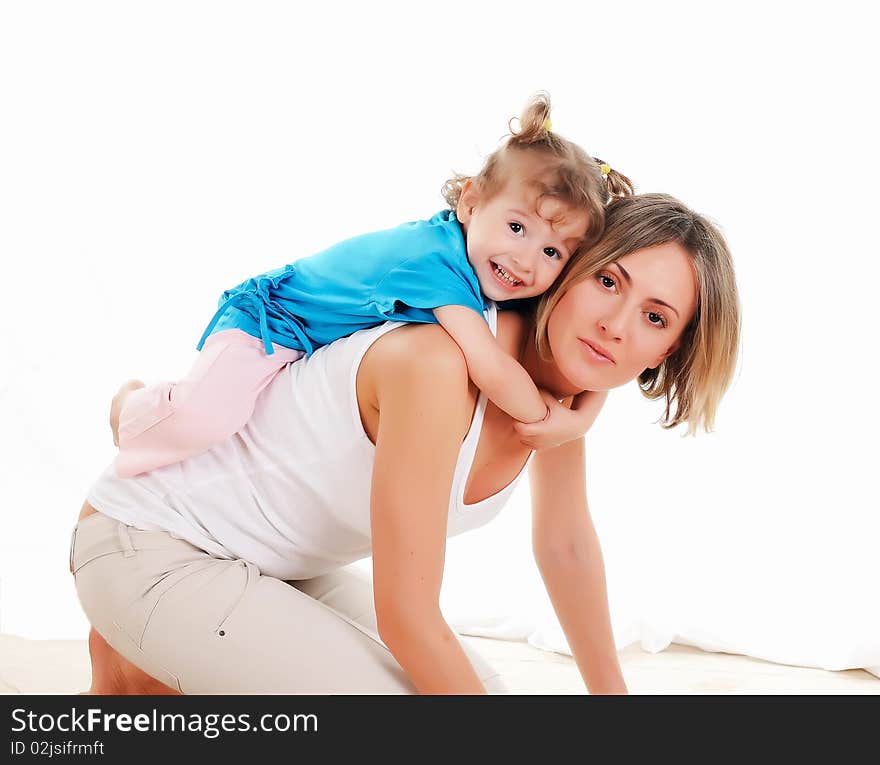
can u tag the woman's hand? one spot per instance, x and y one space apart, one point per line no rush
562 424
116 405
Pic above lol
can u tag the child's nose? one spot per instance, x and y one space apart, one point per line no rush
523 262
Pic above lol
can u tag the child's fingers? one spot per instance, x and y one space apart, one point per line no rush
532 435
526 432
528 429
522 428
539 444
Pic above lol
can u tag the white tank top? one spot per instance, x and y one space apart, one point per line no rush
290 492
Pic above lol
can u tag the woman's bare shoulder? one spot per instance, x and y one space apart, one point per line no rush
418 349
428 350
408 366
415 359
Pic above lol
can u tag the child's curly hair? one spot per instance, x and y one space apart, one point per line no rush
577 178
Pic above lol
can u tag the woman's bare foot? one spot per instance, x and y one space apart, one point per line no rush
113 674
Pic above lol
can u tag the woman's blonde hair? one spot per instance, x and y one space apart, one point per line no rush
577 179
695 376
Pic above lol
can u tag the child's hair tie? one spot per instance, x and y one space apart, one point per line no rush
606 170
548 126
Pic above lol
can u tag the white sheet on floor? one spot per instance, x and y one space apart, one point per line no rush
770 554
722 634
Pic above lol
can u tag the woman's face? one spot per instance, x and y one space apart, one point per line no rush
610 327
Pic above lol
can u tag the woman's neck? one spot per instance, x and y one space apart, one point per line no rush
519 334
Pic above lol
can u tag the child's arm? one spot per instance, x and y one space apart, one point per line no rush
563 424
496 373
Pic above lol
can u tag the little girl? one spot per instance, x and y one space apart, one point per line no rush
509 233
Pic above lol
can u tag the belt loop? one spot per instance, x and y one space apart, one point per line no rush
124 540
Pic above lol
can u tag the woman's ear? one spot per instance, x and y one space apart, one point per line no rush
467 201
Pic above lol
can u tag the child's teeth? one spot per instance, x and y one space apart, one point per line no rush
506 275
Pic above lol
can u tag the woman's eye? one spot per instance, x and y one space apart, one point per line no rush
654 318
515 227
552 252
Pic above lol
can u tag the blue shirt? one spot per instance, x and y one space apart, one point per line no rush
400 274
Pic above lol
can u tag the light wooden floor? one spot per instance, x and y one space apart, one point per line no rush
62 667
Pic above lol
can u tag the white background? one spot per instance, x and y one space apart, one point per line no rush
154 154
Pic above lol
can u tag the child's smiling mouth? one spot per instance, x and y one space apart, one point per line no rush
504 277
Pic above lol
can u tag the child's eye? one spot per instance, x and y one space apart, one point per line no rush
517 228
607 281
552 252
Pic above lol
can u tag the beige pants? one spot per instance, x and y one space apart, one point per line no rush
202 624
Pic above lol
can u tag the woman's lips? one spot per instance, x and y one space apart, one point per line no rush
594 353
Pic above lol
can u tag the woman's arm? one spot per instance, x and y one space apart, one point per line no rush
569 557
421 391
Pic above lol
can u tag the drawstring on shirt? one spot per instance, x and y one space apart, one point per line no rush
258 299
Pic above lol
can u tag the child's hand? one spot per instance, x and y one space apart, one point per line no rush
563 424
117 403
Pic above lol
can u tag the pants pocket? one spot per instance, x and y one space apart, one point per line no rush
206 596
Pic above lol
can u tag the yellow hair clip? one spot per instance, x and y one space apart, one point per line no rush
606 169
548 126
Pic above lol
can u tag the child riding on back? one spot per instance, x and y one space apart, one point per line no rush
509 233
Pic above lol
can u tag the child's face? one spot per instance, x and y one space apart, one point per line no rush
518 241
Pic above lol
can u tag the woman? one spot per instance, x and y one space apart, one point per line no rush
220 590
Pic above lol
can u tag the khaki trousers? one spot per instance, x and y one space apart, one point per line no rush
205 625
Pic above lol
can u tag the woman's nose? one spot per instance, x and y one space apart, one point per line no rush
612 325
